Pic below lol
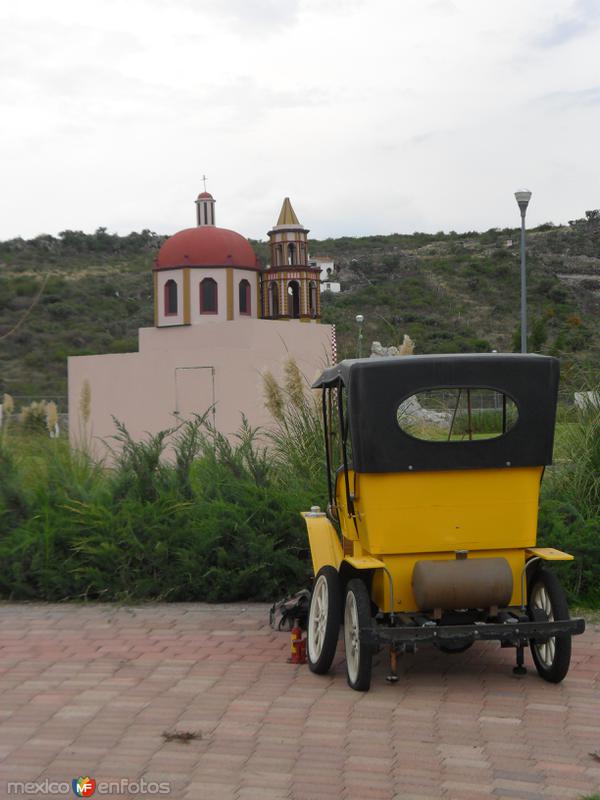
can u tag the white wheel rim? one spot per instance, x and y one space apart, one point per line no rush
545 651
352 637
317 618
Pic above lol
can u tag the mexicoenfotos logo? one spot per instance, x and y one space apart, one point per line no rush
84 786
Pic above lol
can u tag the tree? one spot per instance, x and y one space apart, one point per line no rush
539 335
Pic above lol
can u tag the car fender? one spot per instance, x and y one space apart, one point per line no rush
325 545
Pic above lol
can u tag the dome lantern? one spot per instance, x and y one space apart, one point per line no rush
205 209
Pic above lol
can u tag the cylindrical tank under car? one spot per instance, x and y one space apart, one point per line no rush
462 583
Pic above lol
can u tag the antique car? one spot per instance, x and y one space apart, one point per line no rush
434 466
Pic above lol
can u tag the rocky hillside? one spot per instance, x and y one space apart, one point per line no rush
89 293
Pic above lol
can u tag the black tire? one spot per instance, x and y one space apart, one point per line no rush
357 615
453 648
324 615
551 658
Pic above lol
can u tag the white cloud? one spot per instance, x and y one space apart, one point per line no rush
374 117
581 19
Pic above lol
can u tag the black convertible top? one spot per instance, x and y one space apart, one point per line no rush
375 387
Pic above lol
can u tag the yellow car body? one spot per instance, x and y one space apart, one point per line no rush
489 513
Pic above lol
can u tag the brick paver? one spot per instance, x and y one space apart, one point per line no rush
90 689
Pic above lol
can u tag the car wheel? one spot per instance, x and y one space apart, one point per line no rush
357 616
547 601
324 617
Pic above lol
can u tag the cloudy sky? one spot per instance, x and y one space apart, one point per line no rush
374 116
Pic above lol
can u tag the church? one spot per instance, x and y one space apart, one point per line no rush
221 321
207 273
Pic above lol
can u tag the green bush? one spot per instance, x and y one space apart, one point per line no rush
570 509
129 345
26 287
562 526
219 520
577 482
216 524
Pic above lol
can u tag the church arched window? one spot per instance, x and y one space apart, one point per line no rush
294 299
244 298
291 254
279 256
209 296
170 298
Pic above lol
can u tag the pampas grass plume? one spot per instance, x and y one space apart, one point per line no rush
407 348
51 416
294 383
273 396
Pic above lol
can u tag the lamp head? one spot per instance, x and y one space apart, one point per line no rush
360 319
523 196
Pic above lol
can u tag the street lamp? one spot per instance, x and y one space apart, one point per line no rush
523 197
359 321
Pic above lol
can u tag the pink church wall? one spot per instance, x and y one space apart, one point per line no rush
179 368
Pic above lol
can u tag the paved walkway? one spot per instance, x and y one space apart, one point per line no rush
89 690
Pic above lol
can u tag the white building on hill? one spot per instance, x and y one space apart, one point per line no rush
327 268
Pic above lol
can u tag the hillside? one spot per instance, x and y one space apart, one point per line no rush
449 292
461 293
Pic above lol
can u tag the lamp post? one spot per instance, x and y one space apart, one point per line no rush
359 321
523 197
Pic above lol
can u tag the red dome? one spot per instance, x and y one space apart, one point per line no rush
204 195
206 246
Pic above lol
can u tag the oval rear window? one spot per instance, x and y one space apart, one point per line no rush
457 414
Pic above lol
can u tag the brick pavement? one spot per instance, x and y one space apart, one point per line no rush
89 689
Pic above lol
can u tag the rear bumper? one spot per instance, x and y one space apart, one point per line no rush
514 634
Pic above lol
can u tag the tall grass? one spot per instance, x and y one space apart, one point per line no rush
215 524
578 482
570 509
295 441
220 520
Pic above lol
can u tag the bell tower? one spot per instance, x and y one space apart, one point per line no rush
290 287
